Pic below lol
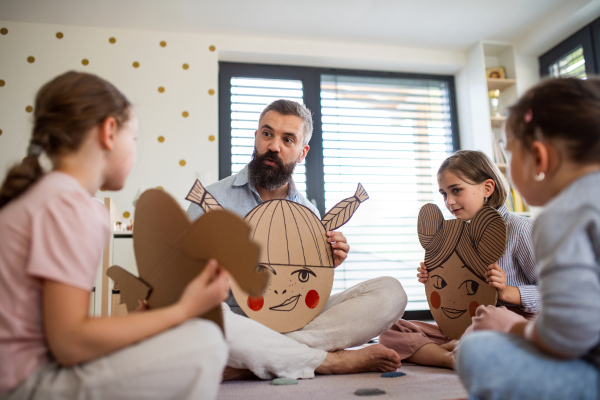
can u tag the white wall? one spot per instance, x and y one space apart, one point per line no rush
160 114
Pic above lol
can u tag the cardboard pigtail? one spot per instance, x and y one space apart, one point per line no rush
200 196
343 211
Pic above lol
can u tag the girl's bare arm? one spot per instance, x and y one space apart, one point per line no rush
74 337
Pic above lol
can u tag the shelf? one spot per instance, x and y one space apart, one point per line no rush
499 84
497 121
501 166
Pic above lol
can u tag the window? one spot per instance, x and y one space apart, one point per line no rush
571 65
387 131
577 56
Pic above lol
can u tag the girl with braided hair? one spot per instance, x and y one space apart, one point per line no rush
53 235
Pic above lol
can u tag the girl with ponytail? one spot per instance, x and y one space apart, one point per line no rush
53 234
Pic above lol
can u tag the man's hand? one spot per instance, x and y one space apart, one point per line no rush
422 273
339 245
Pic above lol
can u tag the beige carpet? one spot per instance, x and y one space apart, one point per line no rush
419 383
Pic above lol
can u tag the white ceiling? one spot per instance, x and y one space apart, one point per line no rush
436 24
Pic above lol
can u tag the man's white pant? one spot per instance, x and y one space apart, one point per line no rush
349 318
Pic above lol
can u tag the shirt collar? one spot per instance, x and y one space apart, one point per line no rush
503 210
241 179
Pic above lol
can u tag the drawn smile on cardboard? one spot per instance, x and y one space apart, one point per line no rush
296 254
287 305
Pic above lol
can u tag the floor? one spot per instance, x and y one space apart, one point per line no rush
419 383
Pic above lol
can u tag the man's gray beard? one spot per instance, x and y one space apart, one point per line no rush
268 177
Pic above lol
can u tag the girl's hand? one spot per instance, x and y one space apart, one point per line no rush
496 277
422 275
142 306
206 291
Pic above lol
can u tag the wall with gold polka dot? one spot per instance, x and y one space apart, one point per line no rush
170 79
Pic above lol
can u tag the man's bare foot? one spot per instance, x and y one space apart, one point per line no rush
230 374
373 358
450 346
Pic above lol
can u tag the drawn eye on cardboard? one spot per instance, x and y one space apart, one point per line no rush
457 254
295 252
170 252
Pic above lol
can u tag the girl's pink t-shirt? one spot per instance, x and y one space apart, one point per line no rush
55 230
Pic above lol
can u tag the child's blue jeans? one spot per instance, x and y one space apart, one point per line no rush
496 366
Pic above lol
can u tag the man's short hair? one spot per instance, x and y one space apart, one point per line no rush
289 107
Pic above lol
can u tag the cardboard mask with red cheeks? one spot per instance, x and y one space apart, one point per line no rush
295 252
457 254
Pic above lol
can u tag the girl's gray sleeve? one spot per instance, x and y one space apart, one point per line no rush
569 281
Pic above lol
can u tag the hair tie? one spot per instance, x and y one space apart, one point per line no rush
34 150
528 116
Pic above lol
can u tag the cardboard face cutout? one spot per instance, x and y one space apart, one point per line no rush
457 254
170 252
295 252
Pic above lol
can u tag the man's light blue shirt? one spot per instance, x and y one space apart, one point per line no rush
236 193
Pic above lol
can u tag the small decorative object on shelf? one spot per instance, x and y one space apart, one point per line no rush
494 94
496 72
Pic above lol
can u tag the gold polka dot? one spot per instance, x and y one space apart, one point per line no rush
185 66
160 188
163 44
161 139
182 163
211 91
185 114
59 35
2 83
112 40
211 138
31 59
85 61
102 190
136 64
126 214
0 131
29 109
161 89
4 31
212 48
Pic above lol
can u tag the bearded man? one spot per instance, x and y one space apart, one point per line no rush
349 319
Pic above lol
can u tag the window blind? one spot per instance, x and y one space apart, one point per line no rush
390 134
249 96
571 65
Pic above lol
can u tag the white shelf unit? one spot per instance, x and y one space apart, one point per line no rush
521 73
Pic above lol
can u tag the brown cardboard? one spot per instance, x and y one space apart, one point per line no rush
170 252
457 254
295 253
